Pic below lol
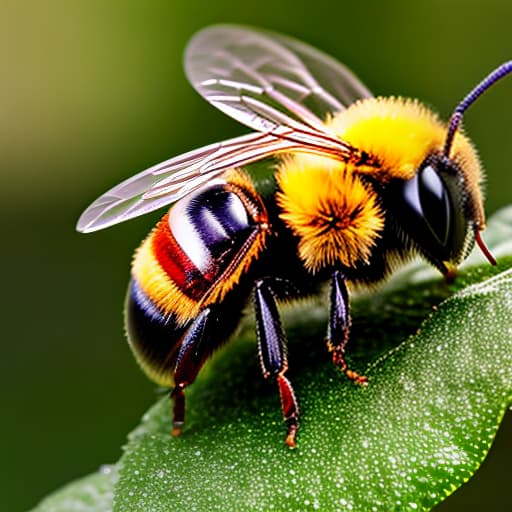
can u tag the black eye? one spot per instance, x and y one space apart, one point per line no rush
427 197
429 209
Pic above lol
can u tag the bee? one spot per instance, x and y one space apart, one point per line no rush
362 184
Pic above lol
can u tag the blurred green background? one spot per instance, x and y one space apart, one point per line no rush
93 91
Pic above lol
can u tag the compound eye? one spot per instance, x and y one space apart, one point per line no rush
427 196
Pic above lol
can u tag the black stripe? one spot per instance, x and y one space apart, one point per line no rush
153 336
215 215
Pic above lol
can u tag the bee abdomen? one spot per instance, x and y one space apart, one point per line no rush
198 251
194 258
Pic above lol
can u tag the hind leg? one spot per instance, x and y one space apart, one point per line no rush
172 354
195 347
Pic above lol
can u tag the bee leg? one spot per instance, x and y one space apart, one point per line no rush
191 357
272 352
339 326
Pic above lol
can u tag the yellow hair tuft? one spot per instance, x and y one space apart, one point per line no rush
399 132
336 217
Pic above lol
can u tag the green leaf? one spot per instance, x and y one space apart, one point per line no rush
418 431
93 493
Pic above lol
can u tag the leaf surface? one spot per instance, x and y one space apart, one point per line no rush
417 432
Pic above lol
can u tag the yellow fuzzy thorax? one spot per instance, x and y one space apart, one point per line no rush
329 208
399 133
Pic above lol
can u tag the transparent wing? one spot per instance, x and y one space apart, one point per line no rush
169 181
280 87
266 80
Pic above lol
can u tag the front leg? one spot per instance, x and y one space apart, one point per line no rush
272 351
339 326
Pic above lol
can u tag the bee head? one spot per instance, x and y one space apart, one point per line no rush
437 211
439 208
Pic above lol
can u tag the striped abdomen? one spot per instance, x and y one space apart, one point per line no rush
193 258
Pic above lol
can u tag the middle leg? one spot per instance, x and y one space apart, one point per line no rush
272 351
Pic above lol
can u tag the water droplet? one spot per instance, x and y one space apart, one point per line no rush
106 469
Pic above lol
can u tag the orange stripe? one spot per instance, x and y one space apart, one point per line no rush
159 286
176 264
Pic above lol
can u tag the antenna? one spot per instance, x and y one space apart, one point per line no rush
490 79
455 120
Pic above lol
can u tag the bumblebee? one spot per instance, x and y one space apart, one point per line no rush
362 184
